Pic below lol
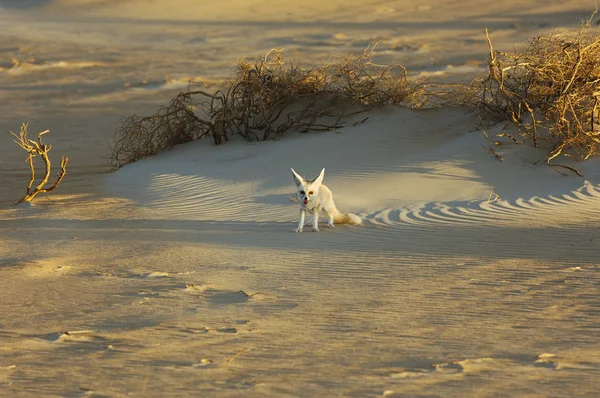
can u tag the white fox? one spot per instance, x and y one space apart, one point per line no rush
314 197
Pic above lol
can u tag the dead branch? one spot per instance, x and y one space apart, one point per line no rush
496 154
35 148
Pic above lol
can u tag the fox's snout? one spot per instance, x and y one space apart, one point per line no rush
304 199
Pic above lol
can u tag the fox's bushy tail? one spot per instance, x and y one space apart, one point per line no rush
346 218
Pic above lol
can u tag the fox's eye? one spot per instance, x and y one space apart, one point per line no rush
301 192
311 192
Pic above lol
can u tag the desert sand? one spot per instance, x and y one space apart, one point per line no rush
180 275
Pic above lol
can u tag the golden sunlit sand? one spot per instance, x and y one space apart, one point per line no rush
180 274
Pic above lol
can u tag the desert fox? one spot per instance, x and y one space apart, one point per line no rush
314 197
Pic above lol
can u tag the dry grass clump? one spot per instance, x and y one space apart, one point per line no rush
266 98
550 90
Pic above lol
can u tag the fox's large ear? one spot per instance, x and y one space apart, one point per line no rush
297 179
319 179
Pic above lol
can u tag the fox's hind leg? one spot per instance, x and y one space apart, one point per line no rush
329 212
330 221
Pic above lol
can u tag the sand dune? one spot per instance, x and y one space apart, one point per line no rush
183 269
181 275
415 164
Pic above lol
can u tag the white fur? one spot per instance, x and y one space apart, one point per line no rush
321 199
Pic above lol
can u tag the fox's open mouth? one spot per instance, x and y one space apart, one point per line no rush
305 201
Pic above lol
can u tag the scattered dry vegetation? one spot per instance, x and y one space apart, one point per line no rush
35 148
550 90
266 98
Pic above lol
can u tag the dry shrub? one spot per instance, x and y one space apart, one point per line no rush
550 90
33 149
266 98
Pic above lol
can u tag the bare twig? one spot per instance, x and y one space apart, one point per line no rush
493 195
35 148
230 360
573 169
496 154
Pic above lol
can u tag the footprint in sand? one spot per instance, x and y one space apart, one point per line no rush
204 363
197 288
79 339
233 297
157 274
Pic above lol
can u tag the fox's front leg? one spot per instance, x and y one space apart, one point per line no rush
309 222
316 220
301 222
